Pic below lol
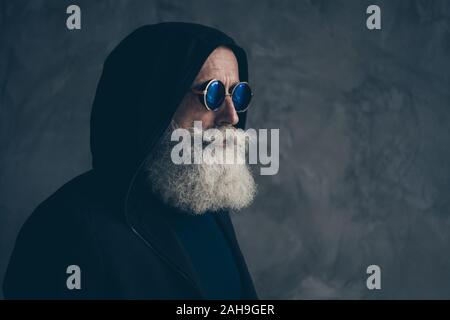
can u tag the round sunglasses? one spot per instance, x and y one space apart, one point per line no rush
212 94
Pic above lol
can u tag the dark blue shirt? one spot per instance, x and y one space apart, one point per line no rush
210 253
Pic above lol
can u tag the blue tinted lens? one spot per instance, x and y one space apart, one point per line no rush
242 95
215 95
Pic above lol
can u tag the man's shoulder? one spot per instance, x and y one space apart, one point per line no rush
57 234
66 214
70 202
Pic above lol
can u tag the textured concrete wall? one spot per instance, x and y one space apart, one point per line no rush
364 126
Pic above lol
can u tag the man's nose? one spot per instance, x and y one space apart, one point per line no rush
227 114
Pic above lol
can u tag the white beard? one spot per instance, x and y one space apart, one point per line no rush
209 186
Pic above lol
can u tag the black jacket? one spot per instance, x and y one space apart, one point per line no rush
104 221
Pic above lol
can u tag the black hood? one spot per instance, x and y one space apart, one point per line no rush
105 219
144 80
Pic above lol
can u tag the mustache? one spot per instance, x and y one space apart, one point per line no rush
220 136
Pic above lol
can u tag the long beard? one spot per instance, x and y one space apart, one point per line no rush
211 185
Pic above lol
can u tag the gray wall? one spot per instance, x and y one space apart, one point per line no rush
364 126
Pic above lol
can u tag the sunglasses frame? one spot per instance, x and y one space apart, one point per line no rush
203 92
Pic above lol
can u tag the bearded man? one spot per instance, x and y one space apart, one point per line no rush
139 225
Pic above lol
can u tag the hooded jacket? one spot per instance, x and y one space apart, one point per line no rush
105 221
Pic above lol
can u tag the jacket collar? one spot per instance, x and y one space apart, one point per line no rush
147 217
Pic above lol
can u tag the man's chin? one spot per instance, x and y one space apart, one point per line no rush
198 189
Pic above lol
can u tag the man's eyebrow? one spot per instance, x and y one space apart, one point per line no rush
200 83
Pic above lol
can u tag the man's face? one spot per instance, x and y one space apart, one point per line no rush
209 185
221 65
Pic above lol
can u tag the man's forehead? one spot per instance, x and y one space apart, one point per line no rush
221 63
